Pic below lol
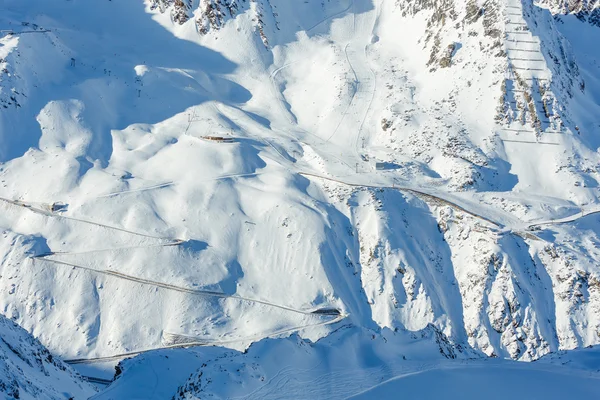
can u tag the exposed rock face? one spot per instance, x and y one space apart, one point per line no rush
570 6
214 13
211 15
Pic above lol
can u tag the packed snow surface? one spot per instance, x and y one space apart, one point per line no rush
184 174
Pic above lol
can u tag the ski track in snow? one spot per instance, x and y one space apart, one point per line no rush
355 115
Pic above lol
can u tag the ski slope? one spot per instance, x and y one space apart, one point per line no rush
345 365
180 178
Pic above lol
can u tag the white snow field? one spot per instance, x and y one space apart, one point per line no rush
348 365
375 193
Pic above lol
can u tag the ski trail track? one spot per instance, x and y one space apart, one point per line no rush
320 146
353 119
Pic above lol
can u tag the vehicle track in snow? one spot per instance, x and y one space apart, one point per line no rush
320 143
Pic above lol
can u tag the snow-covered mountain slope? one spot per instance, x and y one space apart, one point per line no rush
347 365
29 371
218 172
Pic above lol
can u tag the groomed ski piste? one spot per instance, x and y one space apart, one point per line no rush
222 190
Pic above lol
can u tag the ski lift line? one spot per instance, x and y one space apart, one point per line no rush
22 32
143 189
515 23
531 79
168 184
351 100
519 32
531 131
196 292
203 343
527 91
517 130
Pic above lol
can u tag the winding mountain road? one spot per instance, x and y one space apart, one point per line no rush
47 213
196 292
203 343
